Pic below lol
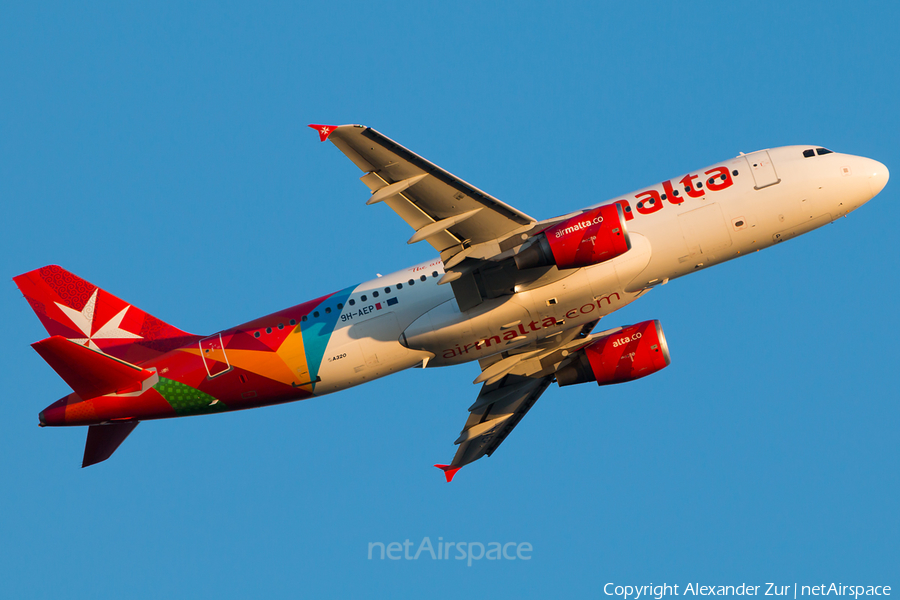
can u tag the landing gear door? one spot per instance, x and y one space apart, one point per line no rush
762 168
212 350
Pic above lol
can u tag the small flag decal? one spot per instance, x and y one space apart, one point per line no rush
391 301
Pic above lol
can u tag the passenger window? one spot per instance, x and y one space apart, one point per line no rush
375 294
808 153
423 278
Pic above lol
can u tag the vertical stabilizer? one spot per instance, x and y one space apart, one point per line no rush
79 311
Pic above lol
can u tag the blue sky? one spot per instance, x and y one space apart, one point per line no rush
161 152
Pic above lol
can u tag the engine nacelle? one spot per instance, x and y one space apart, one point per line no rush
592 237
631 353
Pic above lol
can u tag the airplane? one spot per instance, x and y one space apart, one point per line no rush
519 295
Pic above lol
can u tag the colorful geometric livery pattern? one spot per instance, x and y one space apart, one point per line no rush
269 360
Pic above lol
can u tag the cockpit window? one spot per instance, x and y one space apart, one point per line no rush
821 151
808 153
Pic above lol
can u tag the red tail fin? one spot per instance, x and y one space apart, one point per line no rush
70 307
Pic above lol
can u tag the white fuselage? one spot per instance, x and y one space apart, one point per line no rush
775 195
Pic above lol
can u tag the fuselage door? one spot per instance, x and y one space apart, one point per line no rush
212 349
763 169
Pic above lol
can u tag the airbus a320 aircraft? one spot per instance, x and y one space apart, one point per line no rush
518 295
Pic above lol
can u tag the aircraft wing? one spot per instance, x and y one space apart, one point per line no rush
457 219
513 382
497 410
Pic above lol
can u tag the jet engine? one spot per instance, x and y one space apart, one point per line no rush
592 237
628 354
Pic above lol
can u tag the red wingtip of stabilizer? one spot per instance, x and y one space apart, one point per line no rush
449 471
324 131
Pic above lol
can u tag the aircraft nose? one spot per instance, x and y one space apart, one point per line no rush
878 177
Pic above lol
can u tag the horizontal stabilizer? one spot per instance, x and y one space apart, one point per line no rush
102 441
449 471
89 372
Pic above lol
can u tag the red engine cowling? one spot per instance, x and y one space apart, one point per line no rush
592 237
631 353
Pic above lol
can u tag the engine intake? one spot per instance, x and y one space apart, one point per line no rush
631 353
587 239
